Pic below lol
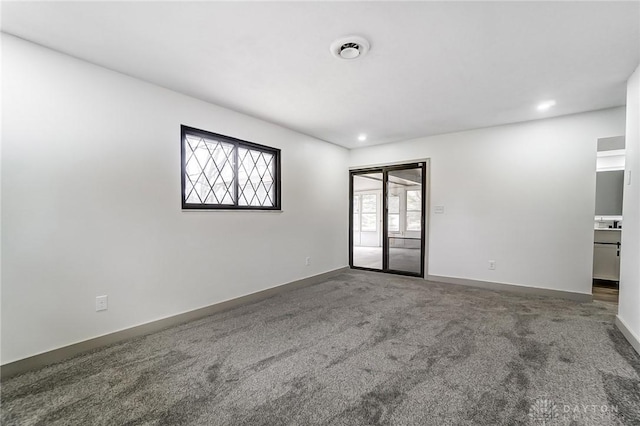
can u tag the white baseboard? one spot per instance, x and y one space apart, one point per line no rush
628 334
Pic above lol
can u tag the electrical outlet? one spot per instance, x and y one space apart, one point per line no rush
101 303
492 264
307 261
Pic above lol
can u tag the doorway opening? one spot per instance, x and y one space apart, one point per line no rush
387 219
607 241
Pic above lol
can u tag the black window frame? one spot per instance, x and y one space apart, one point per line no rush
238 143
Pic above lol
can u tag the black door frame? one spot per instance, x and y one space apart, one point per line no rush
385 216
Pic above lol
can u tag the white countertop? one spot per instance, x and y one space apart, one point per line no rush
607 229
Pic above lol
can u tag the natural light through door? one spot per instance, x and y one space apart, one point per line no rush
387 219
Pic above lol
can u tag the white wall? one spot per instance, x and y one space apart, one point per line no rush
522 195
91 205
629 307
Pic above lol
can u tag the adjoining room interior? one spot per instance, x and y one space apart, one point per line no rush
608 218
320 213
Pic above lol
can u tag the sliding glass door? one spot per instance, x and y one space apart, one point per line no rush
387 225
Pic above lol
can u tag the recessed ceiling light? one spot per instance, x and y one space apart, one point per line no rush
362 137
351 47
543 106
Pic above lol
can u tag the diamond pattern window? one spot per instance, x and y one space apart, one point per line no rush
221 172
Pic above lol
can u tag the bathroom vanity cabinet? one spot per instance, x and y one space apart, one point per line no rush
606 254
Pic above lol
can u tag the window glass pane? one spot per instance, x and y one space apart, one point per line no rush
209 176
394 204
256 178
368 221
414 201
413 221
356 203
394 222
356 222
369 203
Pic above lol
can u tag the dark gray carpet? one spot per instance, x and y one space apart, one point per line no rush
358 349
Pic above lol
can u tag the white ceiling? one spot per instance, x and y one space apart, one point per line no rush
433 67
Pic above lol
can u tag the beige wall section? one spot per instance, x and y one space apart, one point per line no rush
521 194
629 307
91 205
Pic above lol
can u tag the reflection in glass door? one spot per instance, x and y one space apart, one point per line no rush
387 219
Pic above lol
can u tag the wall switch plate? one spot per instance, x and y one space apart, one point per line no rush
492 265
439 210
307 261
101 303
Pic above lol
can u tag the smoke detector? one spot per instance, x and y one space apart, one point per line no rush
351 47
